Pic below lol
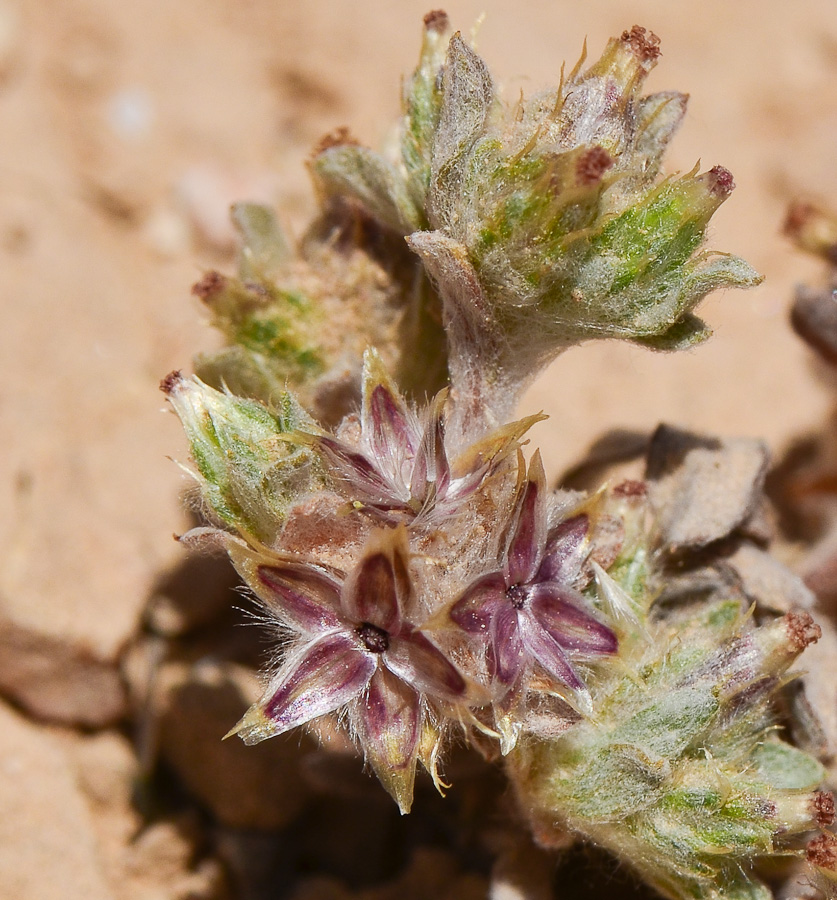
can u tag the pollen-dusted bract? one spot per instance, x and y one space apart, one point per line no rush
356 445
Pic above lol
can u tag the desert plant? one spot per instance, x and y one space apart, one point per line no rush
357 456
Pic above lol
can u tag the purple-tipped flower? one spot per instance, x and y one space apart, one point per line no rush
357 651
528 610
399 467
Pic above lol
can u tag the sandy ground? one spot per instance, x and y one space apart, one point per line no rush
127 130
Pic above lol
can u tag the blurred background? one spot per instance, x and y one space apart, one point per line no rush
127 130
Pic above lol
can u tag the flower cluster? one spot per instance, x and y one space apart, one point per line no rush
400 641
398 465
421 573
543 223
529 610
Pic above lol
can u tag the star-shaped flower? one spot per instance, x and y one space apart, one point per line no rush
528 610
398 467
357 651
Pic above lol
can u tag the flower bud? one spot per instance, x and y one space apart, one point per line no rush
821 852
813 229
422 102
249 471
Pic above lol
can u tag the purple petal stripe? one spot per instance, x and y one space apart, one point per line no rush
415 660
387 425
305 597
318 679
389 717
372 592
361 479
529 529
506 653
555 609
565 550
479 603
543 647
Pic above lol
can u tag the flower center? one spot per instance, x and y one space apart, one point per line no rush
517 595
375 639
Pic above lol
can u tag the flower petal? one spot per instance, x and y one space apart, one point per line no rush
556 610
304 597
307 598
380 588
387 720
413 658
320 677
479 603
360 477
431 470
385 418
481 458
547 651
506 653
389 433
529 529
565 550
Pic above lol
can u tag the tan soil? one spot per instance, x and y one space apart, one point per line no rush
127 130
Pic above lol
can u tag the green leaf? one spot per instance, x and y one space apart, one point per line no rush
422 105
264 248
360 173
786 768
250 470
688 332
467 96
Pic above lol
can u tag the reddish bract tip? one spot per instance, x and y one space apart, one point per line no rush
644 44
798 216
765 809
171 381
592 164
340 137
211 283
823 808
630 489
802 630
822 852
720 181
436 20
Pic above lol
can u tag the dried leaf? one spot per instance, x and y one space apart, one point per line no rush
702 488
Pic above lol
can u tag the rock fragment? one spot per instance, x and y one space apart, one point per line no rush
703 488
243 787
59 681
48 845
766 581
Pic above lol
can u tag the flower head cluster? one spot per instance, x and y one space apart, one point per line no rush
545 222
422 575
357 649
395 462
529 610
